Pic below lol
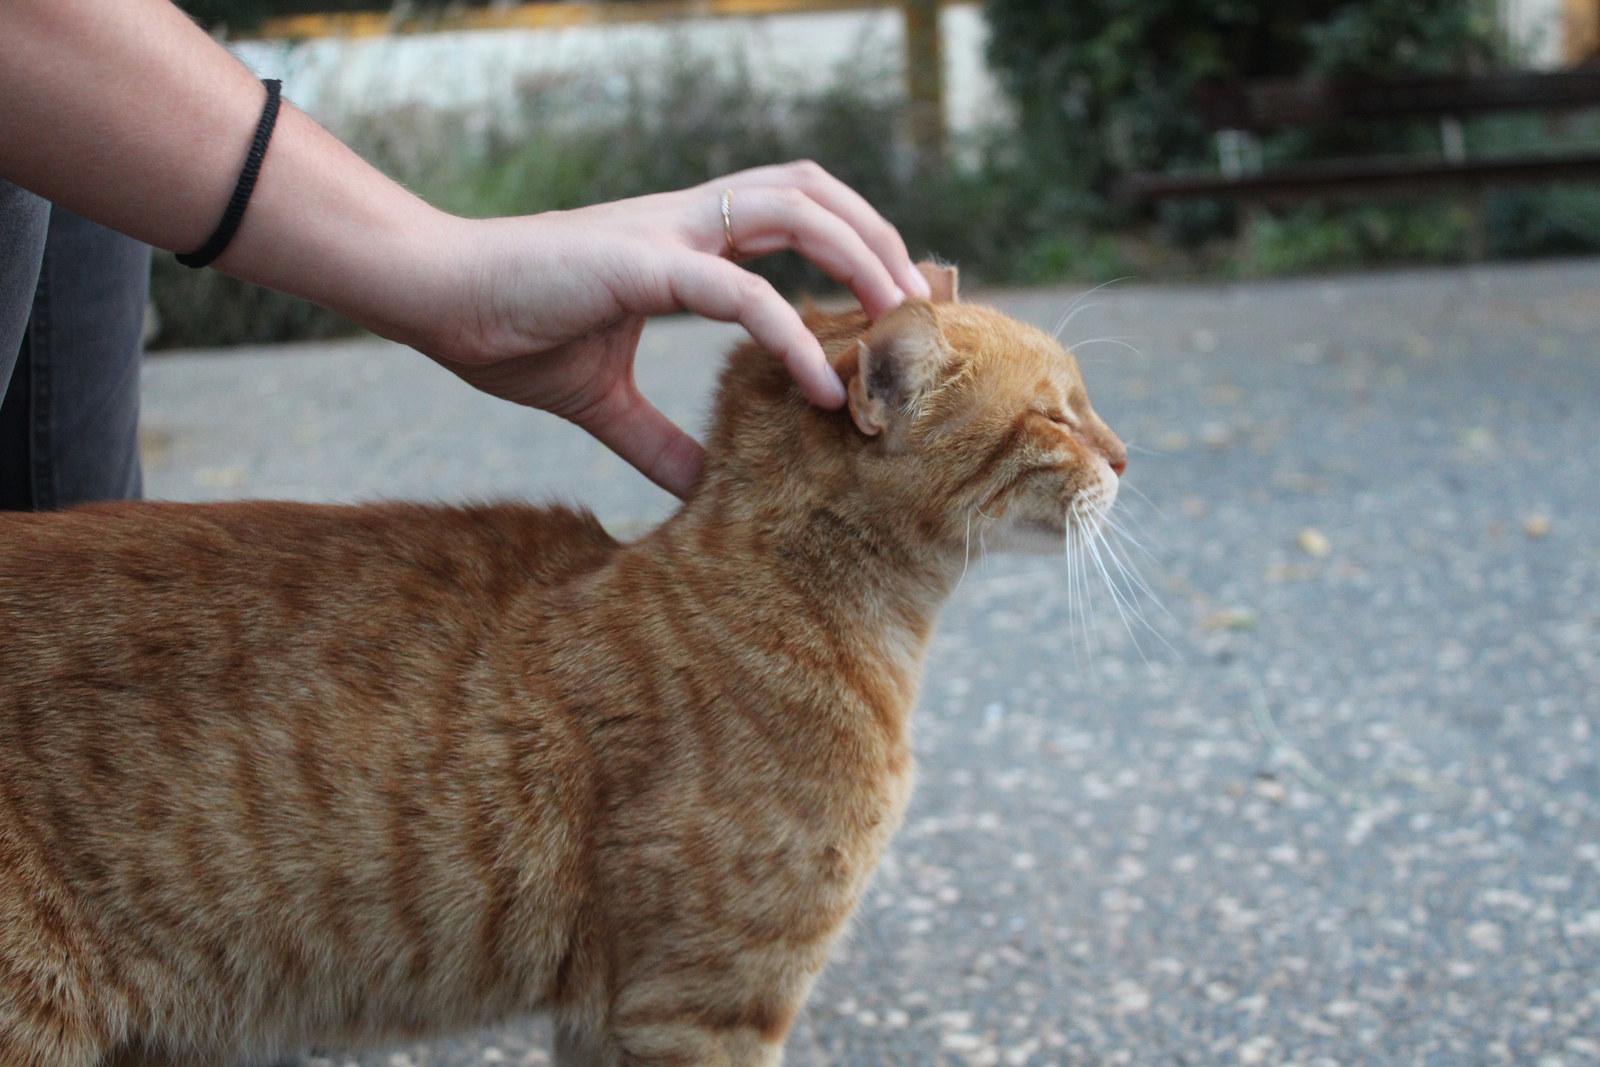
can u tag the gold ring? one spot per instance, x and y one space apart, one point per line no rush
727 223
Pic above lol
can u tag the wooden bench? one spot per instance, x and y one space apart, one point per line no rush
1240 113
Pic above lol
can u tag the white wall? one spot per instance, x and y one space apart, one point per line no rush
336 78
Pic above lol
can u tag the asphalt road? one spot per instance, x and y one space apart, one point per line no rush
1336 800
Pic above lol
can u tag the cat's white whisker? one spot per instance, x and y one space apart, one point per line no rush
1068 315
966 552
1122 603
1123 558
1122 532
1098 541
1135 579
1070 547
1144 496
1077 617
1122 572
1107 341
1078 304
1081 519
1133 583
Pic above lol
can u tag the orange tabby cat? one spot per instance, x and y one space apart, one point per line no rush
278 776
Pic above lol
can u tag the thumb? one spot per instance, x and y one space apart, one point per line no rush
628 424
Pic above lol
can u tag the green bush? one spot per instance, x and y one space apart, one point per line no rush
1564 220
1074 255
1318 239
1515 222
1105 87
202 309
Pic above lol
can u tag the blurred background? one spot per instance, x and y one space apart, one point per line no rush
1026 140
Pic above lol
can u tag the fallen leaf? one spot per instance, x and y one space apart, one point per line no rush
1313 542
1229 619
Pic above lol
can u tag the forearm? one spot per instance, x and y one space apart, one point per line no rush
325 225
126 112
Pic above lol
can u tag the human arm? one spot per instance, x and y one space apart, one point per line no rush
126 112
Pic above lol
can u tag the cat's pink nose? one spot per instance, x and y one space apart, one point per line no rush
1109 445
1116 453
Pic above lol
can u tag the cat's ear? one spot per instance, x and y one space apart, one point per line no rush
897 364
942 280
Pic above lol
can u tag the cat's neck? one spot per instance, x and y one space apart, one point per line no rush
826 541
785 503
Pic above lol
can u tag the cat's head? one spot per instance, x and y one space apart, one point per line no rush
959 420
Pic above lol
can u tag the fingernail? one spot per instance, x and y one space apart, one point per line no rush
900 296
837 385
920 284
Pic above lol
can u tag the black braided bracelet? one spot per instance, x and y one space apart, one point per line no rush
241 192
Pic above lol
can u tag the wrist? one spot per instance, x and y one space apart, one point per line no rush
325 225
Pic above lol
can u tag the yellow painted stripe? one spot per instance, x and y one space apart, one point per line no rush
541 16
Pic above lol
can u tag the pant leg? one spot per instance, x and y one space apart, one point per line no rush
23 219
75 388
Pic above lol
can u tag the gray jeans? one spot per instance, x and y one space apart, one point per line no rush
72 301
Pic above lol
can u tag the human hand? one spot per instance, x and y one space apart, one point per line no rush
555 303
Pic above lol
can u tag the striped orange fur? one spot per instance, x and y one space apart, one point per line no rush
278 776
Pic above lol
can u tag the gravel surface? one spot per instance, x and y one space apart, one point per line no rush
1333 799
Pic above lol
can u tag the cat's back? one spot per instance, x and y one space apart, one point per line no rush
153 612
134 547
142 583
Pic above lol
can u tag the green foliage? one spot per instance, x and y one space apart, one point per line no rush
1317 239
1556 221
1107 86
1073 256
1530 221
201 308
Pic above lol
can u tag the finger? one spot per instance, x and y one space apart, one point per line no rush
837 197
711 286
636 430
767 219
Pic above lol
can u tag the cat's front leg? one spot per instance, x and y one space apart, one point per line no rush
574 1047
668 1024
141 1056
677 1044
667 1044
